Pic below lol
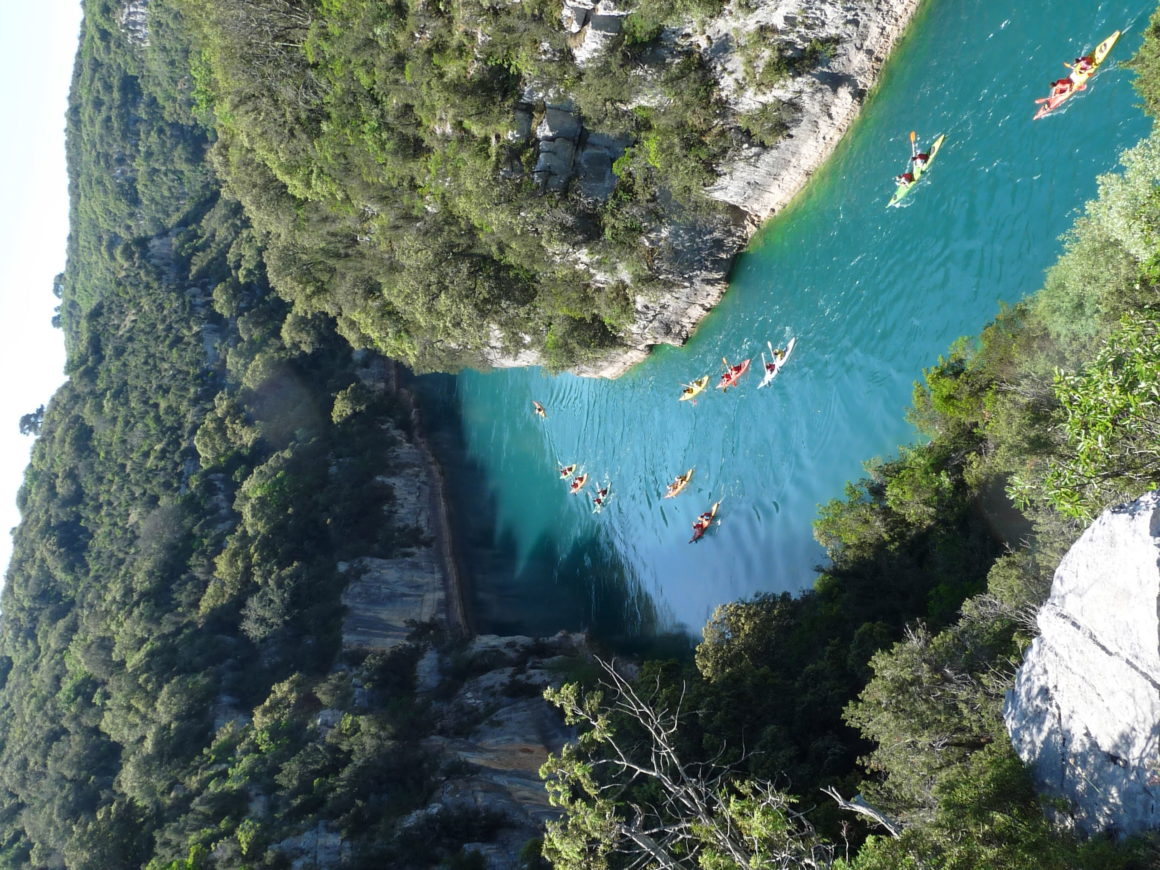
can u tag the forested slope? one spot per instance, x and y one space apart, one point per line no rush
393 157
171 616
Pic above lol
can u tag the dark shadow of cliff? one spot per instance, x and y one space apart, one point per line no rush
585 587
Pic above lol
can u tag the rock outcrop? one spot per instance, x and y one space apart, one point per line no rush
499 730
489 723
384 597
758 180
1085 709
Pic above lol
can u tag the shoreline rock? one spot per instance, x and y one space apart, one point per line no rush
763 181
759 181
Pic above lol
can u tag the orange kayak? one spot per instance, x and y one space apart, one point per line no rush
703 522
733 374
678 485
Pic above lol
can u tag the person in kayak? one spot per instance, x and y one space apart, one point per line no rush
678 484
601 494
1062 87
732 374
777 358
700 525
567 470
539 409
919 160
1082 65
905 179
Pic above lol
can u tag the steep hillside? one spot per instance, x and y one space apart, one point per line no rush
182 684
476 184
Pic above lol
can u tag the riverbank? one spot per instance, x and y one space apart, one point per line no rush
423 583
759 182
458 618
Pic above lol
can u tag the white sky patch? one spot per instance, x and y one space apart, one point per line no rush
37 44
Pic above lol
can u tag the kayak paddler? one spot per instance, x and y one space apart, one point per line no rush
777 357
700 525
732 373
1082 65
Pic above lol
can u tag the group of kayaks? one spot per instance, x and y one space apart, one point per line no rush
577 481
578 478
733 373
1082 69
920 161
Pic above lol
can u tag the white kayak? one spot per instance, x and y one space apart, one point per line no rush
774 366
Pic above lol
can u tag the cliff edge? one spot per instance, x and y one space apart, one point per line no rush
1085 709
757 181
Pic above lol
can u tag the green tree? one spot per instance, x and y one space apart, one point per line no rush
1110 424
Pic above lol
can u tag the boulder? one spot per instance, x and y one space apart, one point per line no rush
554 165
1085 709
559 122
594 162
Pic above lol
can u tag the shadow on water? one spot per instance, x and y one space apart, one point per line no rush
577 583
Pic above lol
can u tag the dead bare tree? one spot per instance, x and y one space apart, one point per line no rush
628 791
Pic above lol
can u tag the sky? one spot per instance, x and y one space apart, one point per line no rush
37 45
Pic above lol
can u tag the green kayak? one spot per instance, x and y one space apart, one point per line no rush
904 189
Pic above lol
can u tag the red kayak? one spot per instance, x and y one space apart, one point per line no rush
732 374
702 523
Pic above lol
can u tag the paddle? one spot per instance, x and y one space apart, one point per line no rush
913 147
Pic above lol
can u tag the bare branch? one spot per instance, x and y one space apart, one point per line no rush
859 806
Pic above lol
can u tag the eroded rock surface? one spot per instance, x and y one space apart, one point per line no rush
385 595
1085 709
757 180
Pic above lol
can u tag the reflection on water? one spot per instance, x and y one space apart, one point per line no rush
872 296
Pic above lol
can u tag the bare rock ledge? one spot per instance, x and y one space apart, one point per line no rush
1085 709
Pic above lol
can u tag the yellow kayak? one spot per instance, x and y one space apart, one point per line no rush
691 391
1079 78
678 485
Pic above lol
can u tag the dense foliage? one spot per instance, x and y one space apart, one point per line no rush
900 656
385 153
171 615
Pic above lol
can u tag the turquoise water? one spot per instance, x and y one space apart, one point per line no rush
872 295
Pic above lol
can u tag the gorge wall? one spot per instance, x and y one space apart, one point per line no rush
758 181
1085 709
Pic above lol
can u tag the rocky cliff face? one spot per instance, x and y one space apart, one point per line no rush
489 723
1085 709
757 181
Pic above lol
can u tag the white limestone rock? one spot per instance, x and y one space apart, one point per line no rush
756 181
1085 709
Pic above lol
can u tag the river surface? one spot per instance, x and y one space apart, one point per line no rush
872 295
